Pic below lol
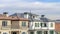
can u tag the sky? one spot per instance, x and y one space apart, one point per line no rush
49 8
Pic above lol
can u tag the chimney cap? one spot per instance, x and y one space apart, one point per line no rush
42 15
5 13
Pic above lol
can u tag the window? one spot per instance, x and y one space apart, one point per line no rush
51 32
43 24
4 23
39 32
45 32
4 33
23 33
24 24
14 33
31 32
36 24
51 24
33 16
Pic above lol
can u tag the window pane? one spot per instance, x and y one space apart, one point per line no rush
23 33
31 32
4 23
41 24
24 24
4 33
45 32
36 24
45 25
51 24
39 32
51 32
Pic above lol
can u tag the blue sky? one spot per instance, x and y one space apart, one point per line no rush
50 8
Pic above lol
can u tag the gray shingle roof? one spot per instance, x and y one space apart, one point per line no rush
44 19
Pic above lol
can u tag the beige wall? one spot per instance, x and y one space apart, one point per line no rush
20 23
9 22
8 27
22 29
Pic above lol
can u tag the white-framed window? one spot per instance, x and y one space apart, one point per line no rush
36 24
51 25
23 32
4 23
43 24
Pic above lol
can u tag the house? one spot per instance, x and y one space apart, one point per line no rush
13 24
42 26
37 24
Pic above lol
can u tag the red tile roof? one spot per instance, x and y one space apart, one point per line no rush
2 17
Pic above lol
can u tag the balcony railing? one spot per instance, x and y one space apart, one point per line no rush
9 27
12 27
5 27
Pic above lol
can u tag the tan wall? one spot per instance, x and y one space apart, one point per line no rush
3 31
22 29
9 23
20 23
26 31
15 24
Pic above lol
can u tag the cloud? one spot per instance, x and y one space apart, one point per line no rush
35 7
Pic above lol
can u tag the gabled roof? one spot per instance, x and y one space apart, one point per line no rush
17 14
21 14
3 17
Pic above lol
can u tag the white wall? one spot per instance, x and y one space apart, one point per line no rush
50 25
32 25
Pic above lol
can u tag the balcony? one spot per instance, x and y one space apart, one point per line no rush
5 27
9 27
44 27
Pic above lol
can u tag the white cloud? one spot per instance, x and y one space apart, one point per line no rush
39 7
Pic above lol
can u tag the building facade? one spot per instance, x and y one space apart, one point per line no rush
37 24
13 24
43 26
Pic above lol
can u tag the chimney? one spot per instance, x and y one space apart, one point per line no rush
42 15
5 14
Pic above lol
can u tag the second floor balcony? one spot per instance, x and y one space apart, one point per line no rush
9 27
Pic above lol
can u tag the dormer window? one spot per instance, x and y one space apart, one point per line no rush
33 16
